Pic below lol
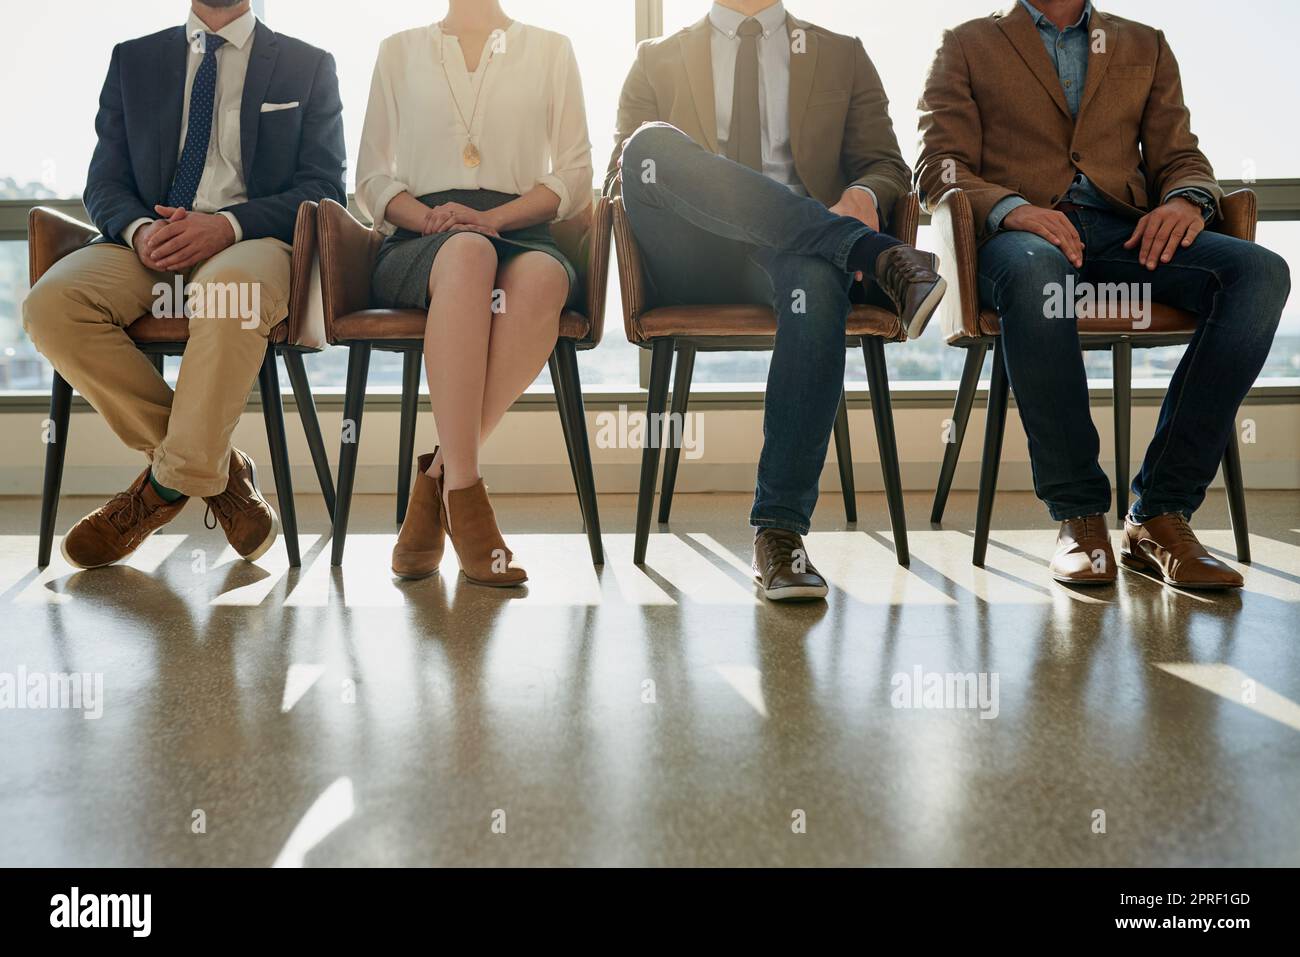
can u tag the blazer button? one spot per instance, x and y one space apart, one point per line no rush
1075 156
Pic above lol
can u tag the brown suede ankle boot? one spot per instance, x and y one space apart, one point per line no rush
422 540
472 527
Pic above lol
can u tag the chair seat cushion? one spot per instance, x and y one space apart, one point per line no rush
390 324
746 320
151 329
1164 320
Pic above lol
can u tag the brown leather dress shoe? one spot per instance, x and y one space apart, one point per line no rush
1083 553
783 569
911 279
119 526
422 540
471 524
246 518
1166 546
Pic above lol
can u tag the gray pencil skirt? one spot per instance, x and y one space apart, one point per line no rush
401 276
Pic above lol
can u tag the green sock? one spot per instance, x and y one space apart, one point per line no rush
165 493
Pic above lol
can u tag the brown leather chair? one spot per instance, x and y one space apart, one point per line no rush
686 330
968 326
52 235
348 250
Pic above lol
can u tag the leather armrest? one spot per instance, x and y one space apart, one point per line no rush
347 260
1240 214
953 225
631 273
306 322
50 236
906 218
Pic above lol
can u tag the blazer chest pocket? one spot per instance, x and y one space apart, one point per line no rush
1131 72
828 98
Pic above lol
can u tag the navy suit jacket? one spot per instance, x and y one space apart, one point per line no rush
288 155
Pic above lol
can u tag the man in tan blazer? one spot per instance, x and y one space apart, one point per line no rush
1066 128
755 158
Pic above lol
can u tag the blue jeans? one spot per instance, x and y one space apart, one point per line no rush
712 231
1237 289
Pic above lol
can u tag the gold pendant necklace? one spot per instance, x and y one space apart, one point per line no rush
471 156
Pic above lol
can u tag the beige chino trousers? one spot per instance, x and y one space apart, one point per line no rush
77 315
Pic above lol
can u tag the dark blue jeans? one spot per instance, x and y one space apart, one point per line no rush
1237 289
712 231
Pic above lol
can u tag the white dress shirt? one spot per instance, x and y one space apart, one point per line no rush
222 184
773 87
530 127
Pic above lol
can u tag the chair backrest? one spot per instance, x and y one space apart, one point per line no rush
958 247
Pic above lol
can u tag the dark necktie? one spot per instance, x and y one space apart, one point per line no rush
745 142
189 171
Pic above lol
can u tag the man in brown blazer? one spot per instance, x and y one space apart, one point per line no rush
755 157
1067 130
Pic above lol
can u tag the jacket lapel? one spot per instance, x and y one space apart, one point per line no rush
697 57
169 94
1020 30
1099 54
261 64
803 68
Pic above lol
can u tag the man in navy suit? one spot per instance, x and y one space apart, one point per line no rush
210 137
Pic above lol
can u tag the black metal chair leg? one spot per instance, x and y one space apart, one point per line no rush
1236 497
569 394
661 361
406 433
844 456
354 403
970 379
681 402
563 410
56 447
873 350
995 428
1122 376
273 413
311 426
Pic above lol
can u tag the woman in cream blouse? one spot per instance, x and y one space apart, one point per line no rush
475 141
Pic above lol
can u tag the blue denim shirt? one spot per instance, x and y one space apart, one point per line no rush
1068 50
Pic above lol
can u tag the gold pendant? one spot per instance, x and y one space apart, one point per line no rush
472 156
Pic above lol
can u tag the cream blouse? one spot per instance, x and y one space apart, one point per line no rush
530 128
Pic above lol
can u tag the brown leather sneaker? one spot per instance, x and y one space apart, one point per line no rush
246 518
422 540
783 569
119 526
471 524
911 279
1167 547
1083 553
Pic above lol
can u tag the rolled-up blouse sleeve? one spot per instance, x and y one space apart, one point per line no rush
570 177
377 181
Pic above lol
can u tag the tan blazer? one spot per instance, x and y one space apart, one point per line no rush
840 130
995 122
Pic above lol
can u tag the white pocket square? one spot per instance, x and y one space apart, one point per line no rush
273 107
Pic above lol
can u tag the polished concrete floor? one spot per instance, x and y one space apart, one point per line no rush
253 715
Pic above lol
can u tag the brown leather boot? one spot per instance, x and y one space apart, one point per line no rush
1166 546
471 525
911 279
247 519
1083 553
783 569
422 540
119 526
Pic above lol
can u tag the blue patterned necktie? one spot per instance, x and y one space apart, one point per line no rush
185 184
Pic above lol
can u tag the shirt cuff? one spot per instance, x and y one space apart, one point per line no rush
1000 211
867 189
1207 212
129 233
234 224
